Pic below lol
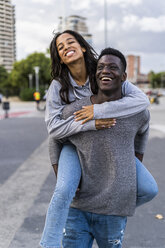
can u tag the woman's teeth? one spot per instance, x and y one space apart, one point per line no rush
69 53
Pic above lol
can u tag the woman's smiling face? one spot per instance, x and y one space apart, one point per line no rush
68 48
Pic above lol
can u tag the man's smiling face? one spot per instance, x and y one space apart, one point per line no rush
110 73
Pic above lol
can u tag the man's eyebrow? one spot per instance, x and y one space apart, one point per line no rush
66 39
107 63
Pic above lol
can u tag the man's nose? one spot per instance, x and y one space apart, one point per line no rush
106 69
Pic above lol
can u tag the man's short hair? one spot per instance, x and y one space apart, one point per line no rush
115 52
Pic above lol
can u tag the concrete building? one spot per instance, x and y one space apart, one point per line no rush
133 67
75 23
133 70
7 34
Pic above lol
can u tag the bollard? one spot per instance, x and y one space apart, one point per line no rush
6 107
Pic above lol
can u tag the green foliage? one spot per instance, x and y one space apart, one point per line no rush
26 94
19 77
157 80
4 79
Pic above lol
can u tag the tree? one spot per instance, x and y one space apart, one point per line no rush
4 76
19 76
157 80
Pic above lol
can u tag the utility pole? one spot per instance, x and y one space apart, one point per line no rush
36 68
105 23
63 17
30 80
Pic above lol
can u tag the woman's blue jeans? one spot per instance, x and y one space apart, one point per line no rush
69 173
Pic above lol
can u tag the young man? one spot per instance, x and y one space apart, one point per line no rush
108 186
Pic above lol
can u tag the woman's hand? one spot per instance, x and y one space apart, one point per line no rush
104 123
85 114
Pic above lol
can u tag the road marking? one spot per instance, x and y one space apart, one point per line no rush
15 114
18 193
157 127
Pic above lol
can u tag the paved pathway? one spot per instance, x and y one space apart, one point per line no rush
26 192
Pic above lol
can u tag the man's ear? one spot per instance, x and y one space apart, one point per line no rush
124 76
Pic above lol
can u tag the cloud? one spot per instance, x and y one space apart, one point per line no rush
84 4
146 24
122 3
37 37
111 25
133 25
45 2
156 61
153 24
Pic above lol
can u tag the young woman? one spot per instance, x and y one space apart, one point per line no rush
73 70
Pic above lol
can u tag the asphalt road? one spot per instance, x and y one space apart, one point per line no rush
27 183
19 137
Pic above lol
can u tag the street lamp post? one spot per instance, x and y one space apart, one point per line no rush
36 68
105 22
30 80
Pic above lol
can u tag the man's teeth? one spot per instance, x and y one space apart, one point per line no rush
69 53
106 78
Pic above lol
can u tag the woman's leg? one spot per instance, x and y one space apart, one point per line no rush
147 187
69 173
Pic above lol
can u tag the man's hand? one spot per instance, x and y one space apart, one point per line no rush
139 156
55 168
85 114
104 123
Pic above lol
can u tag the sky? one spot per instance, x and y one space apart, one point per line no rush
133 26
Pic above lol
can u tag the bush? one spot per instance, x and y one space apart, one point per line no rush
26 94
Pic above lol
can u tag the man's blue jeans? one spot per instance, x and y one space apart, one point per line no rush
83 227
69 173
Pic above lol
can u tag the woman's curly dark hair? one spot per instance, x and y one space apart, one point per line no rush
60 71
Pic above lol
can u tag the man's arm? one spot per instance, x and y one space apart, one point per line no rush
55 147
139 156
142 137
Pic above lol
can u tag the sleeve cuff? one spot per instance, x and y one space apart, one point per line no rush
90 125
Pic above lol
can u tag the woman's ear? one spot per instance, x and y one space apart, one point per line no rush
83 50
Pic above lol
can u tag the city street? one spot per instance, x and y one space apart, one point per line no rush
27 180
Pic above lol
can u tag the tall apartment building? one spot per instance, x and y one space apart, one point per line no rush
75 23
7 34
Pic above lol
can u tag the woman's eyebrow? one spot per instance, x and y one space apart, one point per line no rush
66 39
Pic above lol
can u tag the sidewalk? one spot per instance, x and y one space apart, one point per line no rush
21 109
